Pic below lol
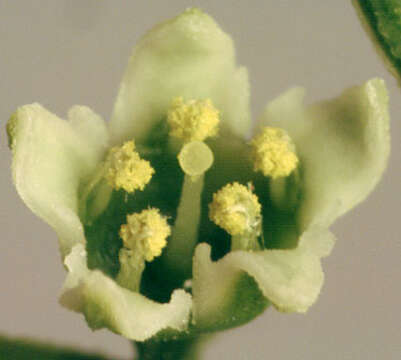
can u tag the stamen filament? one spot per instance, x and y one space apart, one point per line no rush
132 264
95 196
248 241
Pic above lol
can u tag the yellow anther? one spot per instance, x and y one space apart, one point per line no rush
235 209
273 153
126 170
145 233
192 120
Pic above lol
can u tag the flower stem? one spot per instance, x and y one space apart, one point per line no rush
183 349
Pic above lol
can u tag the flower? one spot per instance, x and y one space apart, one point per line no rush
171 221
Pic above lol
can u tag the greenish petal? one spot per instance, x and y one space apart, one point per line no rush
90 126
290 279
50 159
224 296
187 56
106 304
343 145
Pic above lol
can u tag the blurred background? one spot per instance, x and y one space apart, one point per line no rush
65 52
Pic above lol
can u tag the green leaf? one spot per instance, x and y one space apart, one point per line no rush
343 145
23 349
382 21
187 56
50 159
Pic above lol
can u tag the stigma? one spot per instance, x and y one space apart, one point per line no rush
124 169
145 233
193 119
273 153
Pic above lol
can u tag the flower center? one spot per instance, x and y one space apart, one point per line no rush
197 185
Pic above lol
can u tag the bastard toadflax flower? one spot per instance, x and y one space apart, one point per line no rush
179 216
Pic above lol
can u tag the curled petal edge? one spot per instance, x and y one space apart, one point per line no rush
343 144
105 304
50 159
290 279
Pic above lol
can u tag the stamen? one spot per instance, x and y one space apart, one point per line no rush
145 233
192 120
273 153
235 209
124 169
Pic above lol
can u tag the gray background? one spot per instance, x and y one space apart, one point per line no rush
61 53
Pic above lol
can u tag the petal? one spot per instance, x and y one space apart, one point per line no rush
291 279
106 304
187 56
343 145
90 126
49 160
